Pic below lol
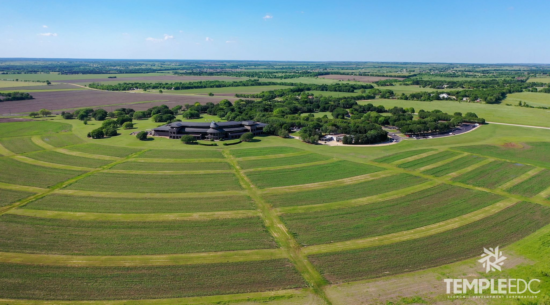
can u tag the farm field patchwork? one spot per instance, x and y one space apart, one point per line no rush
20 145
454 166
502 228
344 192
98 149
126 283
16 84
15 172
535 153
533 185
310 174
265 151
60 140
59 158
493 174
262 163
401 155
108 182
415 210
8 196
419 163
56 202
180 154
164 166
74 237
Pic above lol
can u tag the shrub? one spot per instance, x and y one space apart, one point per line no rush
97 133
142 136
128 125
187 139
82 116
234 143
283 133
110 132
191 114
247 137
67 116
34 114
123 119
109 124
208 144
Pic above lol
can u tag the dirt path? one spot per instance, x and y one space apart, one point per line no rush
517 125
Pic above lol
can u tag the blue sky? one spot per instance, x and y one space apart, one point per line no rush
340 30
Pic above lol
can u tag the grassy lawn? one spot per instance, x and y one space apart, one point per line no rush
125 283
533 185
224 90
310 174
179 154
9 84
412 211
454 166
55 157
535 153
104 182
15 172
158 166
401 155
60 140
8 196
266 151
503 228
532 98
493 174
32 128
74 237
419 163
20 145
539 79
98 149
144 205
261 163
345 192
320 114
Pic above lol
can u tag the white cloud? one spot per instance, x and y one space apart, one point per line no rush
230 41
268 16
153 39
166 37
209 39
181 31
48 34
45 26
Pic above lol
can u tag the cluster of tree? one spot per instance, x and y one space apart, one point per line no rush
268 95
41 112
120 115
14 96
109 128
431 122
489 96
252 74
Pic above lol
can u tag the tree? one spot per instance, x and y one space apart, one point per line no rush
283 133
34 114
110 132
142 136
247 137
191 114
44 112
160 91
82 116
97 133
187 139
48 82
68 116
128 125
210 94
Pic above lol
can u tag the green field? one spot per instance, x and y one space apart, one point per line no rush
454 166
539 79
257 152
532 98
14 172
493 174
225 91
416 210
9 84
20 145
9 196
98 149
419 163
60 140
60 77
401 155
310 174
533 185
535 153
502 229
178 154
59 158
165 166
293 160
20 129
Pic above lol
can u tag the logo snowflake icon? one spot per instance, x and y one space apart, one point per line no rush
492 259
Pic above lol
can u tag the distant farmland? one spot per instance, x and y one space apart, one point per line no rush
365 79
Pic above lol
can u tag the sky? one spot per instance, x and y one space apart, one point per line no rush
465 31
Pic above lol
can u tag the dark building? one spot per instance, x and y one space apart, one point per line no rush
216 131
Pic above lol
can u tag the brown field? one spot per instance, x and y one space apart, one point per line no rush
163 78
62 100
41 87
365 79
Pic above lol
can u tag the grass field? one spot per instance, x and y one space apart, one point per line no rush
103 182
59 158
15 172
60 140
454 166
532 98
59 77
257 152
20 145
31 128
98 149
493 174
226 91
163 166
126 283
412 211
310 174
9 196
462 243
535 153
147 205
419 163
344 192
178 154
262 163
52 236
401 155
539 79
533 185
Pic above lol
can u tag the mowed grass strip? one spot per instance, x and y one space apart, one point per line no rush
535 153
56 202
420 209
128 283
181 154
454 166
493 174
98 149
500 229
112 182
32 128
293 160
401 155
533 185
59 158
15 172
81 237
344 192
60 140
10 196
20 145
310 174
265 151
149 166
419 163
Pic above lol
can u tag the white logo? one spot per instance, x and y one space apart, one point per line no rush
492 259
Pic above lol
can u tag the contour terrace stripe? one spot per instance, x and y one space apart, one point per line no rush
274 156
521 178
148 195
415 157
290 166
49 164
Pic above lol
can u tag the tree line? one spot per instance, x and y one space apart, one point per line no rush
14 96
